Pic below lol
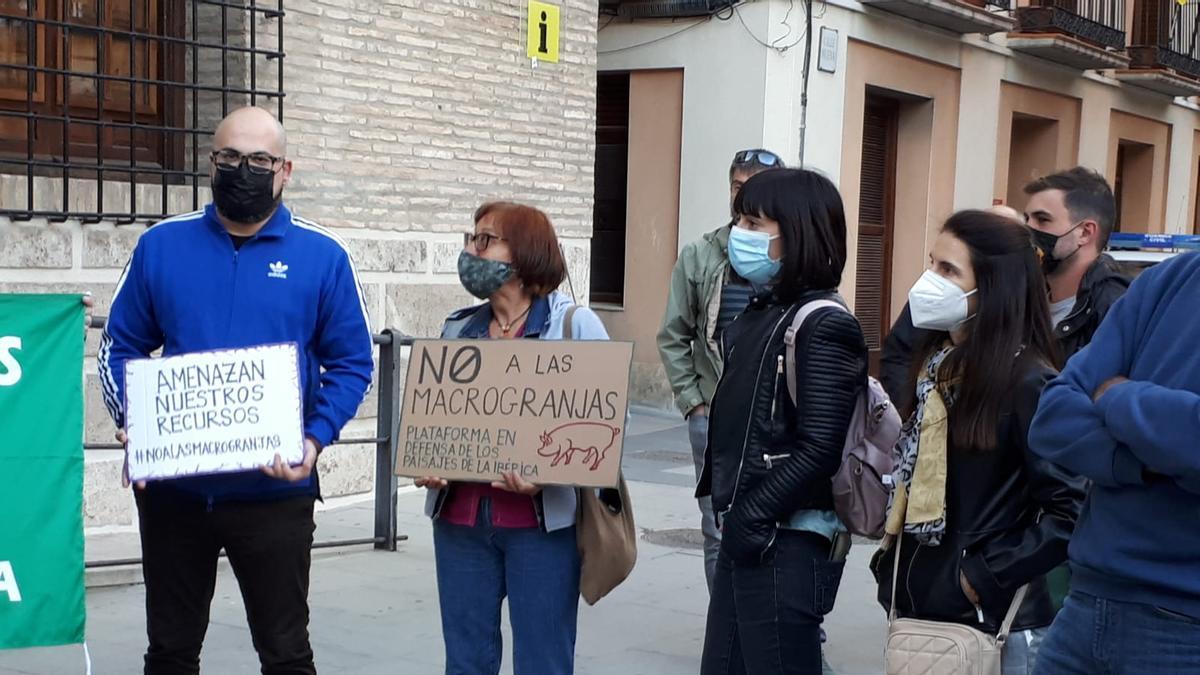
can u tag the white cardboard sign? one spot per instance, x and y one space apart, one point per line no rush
213 412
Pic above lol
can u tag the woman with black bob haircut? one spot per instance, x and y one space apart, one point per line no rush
978 515
770 459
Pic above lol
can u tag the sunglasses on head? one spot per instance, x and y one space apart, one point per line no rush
760 157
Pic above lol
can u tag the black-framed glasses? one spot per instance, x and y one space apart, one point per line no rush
760 157
258 162
481 241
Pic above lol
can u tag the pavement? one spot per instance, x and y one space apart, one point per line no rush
377 612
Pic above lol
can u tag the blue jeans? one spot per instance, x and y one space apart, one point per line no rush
1094 636
1021 650
765 619
477 567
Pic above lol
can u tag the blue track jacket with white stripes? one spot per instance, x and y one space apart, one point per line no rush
187 289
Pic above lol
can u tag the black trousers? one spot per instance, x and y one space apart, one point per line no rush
269 545
765 619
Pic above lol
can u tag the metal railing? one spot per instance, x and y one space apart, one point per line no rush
387 431
1101 22
1167 34
127 92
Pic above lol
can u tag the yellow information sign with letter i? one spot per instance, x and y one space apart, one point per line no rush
541 38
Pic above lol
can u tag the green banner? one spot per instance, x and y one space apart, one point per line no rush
41 470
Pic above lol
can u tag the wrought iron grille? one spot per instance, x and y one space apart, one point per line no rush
1183 28
1110 13
97 92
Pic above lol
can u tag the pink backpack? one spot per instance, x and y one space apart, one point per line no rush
863 482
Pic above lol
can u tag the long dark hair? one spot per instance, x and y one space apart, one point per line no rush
812 223
1010 330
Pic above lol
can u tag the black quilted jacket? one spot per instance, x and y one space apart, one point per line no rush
766 457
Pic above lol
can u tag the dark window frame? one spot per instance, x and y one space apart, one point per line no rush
135 122
610 209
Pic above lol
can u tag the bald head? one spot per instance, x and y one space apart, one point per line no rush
251 149
249 130
1008 212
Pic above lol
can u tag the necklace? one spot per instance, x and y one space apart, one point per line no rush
507 327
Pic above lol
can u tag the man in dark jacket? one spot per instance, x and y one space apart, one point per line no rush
1071 214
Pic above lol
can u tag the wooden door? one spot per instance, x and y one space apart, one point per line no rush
876 216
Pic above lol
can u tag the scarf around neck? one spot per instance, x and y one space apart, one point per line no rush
918 502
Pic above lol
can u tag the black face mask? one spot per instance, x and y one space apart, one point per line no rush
1046 243
245 197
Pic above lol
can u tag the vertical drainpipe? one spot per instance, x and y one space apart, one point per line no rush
808 32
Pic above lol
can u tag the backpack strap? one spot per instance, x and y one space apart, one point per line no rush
569 323
789 338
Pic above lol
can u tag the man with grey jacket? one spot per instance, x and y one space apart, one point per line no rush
706 295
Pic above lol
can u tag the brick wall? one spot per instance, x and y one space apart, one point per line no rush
402 117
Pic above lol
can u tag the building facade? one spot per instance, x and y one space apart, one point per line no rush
402 117
915 108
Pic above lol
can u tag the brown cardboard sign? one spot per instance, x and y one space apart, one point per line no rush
551 410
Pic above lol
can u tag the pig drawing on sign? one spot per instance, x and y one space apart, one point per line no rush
593 439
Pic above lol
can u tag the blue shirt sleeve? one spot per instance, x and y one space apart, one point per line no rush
1160 425
344 350
586 325
131 332
1069 429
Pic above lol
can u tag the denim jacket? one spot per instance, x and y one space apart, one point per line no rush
556 504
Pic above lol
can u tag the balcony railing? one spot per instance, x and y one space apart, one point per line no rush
960 16
1100 22
1166 34
991 4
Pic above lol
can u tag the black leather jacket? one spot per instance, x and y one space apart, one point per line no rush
766 457
1009 516
895 359
1102 285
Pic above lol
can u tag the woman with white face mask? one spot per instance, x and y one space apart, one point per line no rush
977 514
770 458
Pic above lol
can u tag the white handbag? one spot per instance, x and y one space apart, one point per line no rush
922 647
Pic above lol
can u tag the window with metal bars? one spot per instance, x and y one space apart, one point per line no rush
96 92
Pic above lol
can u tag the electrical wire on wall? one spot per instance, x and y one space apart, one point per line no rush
729 12
805 37
660 38
774 44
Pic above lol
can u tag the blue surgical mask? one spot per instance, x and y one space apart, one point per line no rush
750 255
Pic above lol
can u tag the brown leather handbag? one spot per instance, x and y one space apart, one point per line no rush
607 540
604 529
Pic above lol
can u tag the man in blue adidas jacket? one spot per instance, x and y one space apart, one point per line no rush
1126 413
242 272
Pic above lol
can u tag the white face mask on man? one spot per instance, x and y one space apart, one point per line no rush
936 303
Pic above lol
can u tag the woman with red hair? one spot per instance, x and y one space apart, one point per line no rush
512 538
